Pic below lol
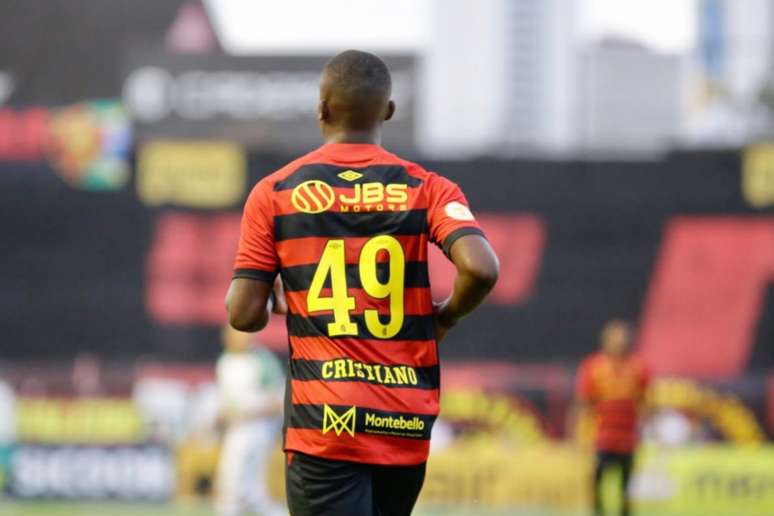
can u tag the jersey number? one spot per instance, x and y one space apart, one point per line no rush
333 264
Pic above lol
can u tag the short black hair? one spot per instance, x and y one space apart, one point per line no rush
359 76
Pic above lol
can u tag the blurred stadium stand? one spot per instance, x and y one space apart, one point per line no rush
118 224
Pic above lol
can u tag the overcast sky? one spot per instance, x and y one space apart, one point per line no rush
666 25
253 26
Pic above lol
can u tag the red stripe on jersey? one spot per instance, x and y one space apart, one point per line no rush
283 204
305 251
416 301
416 353
362 394
371 449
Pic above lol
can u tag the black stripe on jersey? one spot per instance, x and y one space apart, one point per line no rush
300 277
367 421
457 234
350 370
415 327
336 224
256 274
328 173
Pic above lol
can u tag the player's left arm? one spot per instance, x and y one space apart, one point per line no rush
249 299
583 408
247 303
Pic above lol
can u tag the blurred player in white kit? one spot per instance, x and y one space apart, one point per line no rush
250 384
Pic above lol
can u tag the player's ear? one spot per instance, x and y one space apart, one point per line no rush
323 112
390 110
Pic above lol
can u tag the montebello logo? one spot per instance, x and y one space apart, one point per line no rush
339 423
394 423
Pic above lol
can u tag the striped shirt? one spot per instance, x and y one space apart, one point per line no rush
348 228
615 387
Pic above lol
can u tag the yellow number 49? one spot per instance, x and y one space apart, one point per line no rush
333 264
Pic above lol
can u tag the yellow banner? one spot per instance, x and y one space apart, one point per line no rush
758 175
715 479
198 174
497 476
86 421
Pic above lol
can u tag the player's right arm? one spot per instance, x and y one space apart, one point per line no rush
256 265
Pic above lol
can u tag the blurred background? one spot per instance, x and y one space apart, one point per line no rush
616 152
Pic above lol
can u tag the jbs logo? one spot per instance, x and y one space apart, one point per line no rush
313 196
316 196
375 197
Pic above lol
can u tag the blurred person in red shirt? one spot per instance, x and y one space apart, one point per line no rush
611 384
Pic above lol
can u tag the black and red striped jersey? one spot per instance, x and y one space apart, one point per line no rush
347 227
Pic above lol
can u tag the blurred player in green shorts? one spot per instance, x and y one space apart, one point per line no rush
250 385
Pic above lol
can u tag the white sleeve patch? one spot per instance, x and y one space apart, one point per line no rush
458 211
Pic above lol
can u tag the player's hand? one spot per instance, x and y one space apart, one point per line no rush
441 320
280 301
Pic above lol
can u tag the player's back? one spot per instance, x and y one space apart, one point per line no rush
351 225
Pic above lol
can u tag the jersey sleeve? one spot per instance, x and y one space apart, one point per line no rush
448 213
256 255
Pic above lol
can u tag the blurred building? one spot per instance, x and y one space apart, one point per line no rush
542 74
731 101
745 30
499 78
629 98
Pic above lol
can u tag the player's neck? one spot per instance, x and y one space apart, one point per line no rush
373 136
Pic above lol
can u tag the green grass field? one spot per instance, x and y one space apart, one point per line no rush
10 508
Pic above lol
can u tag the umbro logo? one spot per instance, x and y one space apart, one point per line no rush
350 175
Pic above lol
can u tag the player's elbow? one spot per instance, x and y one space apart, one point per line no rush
245 322
484 272
243 319
240 321
487 276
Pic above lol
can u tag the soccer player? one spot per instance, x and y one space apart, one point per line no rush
347 227
250 380
612 384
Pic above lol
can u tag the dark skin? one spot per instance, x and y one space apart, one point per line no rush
346 119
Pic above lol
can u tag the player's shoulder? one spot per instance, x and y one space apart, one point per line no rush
287 170
592 360
261 192
429 178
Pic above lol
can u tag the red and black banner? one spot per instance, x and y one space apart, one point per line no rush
670 244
